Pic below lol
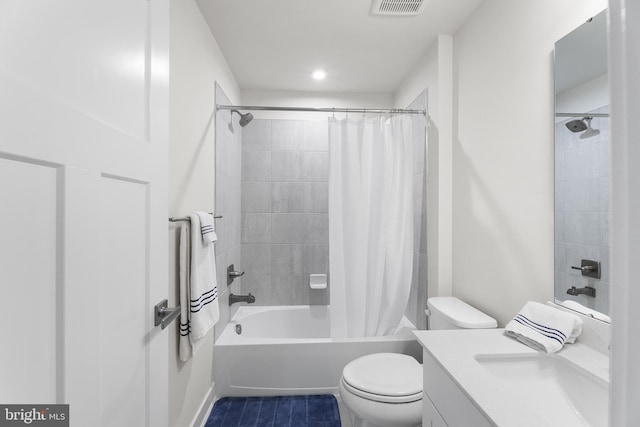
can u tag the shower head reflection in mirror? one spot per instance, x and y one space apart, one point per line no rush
582 125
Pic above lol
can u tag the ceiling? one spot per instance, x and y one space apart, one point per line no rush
276 44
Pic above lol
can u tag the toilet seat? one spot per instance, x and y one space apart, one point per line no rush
380 397
384 377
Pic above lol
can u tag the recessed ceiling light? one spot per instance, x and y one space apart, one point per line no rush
319 74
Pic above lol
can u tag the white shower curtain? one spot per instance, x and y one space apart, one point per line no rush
370 223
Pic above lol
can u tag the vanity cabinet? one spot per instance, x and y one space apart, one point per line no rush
444 403
430 415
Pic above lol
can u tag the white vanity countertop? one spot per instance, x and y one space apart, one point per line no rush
455 351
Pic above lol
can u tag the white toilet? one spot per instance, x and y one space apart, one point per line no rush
385 389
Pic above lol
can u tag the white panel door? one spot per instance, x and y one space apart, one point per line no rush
83 193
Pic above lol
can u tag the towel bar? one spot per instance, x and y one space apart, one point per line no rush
186 218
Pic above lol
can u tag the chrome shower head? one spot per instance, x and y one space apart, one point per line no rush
245 119
590 131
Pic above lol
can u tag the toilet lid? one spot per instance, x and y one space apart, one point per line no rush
385 374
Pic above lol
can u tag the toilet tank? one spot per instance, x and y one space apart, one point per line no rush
452 313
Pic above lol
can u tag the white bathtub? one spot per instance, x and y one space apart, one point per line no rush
285 350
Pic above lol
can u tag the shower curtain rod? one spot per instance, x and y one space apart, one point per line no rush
582 114
319 110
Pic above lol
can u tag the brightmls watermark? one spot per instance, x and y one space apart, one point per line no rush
34 415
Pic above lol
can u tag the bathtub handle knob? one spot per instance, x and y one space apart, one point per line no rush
232 274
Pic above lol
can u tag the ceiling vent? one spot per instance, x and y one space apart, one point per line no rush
397 7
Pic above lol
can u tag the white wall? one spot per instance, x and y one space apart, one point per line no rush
502 153
434 73
423 74
196 64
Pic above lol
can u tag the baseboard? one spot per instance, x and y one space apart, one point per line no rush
205 409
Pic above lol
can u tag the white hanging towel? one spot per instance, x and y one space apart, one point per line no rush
184 265
207 227
544 328
198 285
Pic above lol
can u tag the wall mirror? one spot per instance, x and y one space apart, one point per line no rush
582 169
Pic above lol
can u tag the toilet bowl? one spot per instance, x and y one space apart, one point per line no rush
383 390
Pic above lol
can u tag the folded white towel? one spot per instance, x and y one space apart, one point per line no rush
207 227
198 288
544 328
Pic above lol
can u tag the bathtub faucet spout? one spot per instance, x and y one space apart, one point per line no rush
249 299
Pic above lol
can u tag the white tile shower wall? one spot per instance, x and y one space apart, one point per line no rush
582 211
418 295
228 204
285 223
